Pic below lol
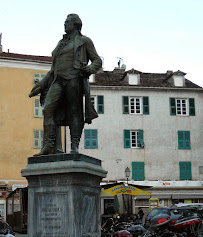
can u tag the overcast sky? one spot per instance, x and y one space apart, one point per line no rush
150 35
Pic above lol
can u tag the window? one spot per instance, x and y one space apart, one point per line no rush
183 140
135 105
98 102
37 108
38 77
37 139
138 171
91 140
185 170
133 139
182 106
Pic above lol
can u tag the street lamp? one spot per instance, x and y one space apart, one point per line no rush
127 173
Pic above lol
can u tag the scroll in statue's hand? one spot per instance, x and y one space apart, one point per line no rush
35 90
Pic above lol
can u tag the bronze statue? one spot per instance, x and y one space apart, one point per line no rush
63 87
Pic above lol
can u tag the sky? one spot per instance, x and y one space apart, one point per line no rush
149 35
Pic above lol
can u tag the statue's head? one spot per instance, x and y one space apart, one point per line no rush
72 22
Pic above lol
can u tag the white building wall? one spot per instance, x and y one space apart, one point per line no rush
161 154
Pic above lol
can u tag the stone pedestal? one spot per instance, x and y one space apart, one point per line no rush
64 195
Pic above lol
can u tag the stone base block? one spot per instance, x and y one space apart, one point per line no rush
64 195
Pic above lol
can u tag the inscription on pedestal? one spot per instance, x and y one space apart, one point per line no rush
51 214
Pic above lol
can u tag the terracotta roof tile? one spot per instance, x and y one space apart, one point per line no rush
25 57
110 78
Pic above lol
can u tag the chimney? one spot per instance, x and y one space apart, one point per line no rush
0 43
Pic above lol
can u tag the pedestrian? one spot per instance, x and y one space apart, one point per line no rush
140 215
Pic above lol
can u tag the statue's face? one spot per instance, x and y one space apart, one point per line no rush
68 25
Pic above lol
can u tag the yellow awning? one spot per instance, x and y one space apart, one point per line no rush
122 189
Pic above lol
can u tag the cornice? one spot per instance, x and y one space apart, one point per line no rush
44 66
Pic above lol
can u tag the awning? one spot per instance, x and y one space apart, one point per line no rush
122 189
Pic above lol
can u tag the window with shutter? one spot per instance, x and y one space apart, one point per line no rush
184 140
182 107
138 171
91 140
37 139
38 77
185 170
135 105
37 108
133 139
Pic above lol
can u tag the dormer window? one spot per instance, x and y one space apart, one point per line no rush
177 78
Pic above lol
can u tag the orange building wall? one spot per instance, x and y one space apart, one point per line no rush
16 121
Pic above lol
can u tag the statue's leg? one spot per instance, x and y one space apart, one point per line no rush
74 95
58 140
50 128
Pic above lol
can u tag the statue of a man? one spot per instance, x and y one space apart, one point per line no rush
63 87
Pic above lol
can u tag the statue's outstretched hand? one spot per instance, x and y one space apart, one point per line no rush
35 90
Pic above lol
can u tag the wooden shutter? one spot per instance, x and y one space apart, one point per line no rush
172 106
125 105
36 141
187 139
87 137
94 139
127 143
37 108
191 106
183 140
38 77
145 105
140 138
185 170
90 136
138 171
100 104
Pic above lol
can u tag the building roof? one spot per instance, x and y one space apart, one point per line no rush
114 78
25 57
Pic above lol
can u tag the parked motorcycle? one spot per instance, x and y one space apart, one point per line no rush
188 224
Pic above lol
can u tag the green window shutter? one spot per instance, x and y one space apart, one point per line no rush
100 104
187 139
191 106
87 137
183 139
172 106
127 139
140 138
185 170
90 136
125 105
138 171
145 105
94 139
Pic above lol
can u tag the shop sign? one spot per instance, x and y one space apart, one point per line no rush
121 189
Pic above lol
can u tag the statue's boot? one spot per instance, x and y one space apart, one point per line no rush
58 148
49 140
75 135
